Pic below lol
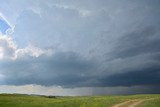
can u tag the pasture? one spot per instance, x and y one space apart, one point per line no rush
19 100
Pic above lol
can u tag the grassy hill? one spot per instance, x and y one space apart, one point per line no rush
16 100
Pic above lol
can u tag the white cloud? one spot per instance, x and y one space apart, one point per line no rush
7 47
30 50
1 52
9 50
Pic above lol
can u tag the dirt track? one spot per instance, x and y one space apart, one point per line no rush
131 103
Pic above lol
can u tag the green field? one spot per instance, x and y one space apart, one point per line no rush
15 100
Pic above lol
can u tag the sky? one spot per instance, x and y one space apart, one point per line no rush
79 47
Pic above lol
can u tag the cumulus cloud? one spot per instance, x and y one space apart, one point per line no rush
7 47
9 50
32 51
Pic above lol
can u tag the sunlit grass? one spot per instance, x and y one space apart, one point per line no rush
13 100
151 103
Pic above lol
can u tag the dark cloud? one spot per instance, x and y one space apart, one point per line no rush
136 58
64 69
147 76
138 42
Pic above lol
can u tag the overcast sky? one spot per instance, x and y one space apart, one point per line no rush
79 47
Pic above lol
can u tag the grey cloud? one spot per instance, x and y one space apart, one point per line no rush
64 69
65 27
134 60
115 44
68 69
147 76
138 42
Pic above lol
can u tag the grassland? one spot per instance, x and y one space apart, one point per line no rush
15 100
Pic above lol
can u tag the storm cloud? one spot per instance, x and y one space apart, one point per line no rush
106 43
64 69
